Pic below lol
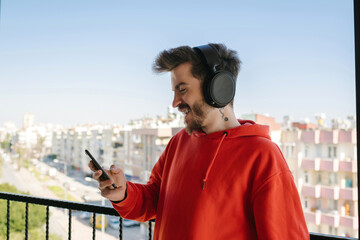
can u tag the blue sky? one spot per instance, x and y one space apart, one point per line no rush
71 62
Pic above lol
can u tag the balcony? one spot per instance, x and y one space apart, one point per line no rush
348 166
312 136
349 194
330 192
332 219
311 164
311 191
334 165
313 217
329 165
349 221
347 136
329 137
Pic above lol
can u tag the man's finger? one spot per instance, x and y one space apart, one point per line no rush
111 194
97 174
114 169
106 184
105 192
92 166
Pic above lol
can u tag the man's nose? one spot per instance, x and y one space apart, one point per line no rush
176 100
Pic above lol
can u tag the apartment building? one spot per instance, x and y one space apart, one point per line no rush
143 142
69 145
135 147
323 162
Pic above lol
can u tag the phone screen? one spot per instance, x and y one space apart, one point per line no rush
104 175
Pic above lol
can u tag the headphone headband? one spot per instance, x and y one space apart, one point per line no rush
209 56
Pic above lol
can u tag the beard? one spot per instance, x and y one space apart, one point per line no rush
198 112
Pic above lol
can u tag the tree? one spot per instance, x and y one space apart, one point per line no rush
37 213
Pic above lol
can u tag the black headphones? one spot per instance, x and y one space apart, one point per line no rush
218 86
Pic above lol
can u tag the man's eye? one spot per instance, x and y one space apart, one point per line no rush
182 90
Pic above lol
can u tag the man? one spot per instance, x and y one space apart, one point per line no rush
220 178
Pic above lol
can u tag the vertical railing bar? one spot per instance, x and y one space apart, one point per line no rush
150 230
8 221
47 223
69 233
93 225
26 220
120 228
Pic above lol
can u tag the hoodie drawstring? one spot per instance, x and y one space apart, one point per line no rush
225 134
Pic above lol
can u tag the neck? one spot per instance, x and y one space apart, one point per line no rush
220 119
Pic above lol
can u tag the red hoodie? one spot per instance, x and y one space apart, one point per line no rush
233 184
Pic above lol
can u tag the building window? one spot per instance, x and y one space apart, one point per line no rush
306 176
319 178
318 204
318 150
332 178
332 152
332 205
347 208
306 151
348 183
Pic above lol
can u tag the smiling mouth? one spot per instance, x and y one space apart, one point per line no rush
186 111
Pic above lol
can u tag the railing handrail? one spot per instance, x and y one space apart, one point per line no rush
109 210
320 236
59 203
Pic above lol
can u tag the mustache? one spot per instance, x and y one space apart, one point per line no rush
183 106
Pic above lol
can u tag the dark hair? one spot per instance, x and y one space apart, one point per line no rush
167 60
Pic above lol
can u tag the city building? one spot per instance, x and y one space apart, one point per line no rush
135 147
323 162
28 120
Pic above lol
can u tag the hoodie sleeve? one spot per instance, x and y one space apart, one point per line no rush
142 199
277 210
276 203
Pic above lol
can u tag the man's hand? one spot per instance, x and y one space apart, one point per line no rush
117 176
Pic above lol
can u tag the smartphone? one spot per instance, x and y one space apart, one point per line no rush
104 175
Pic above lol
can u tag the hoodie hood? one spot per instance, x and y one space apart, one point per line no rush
246 128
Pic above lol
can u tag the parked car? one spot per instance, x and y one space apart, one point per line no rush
98 222
130 223
85 215
114 223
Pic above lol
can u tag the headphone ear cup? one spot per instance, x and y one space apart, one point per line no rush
220 89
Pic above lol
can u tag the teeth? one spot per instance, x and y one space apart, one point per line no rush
186 111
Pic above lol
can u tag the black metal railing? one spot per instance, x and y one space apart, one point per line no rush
70 206
75 206
319 236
